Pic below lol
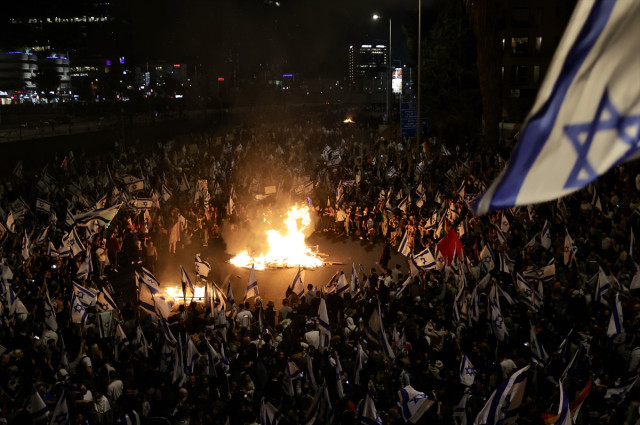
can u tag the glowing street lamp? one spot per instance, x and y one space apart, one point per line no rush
390 62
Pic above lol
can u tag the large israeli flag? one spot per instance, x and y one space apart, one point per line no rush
586 117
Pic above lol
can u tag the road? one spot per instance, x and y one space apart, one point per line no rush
272 284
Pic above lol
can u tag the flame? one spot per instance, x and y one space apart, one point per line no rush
285 249
349 120
176 293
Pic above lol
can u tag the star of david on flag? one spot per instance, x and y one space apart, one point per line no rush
586 117
467 371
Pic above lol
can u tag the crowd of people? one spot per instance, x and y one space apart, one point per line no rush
485 292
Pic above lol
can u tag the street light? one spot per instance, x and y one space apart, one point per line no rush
418 126
389 64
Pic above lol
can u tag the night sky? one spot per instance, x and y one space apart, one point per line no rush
307 36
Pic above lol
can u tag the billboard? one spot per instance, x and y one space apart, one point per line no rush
396 81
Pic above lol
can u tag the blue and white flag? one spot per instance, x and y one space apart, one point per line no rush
545 273
83 295
497 322
78 311
252 287
460 411
538 353
370 414
43 206
505 400
413 404
361 361
354 285
36 407
291 373
49 313
570 249
269 414
60 415
105 301
545 236
615 322
72 244
26 247
297 286
342 285
487 259
403 247
585 117
425 260
467 371
621 390
42 237
564 411
192 355
86 267
102 217
142 203
135 186
323 324
186 281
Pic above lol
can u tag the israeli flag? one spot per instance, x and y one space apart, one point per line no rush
414 404
252 287
615 322
425 260
486 258
370 414
538 353
404 247
26 248
86 267
467 371
60 415
186 281
43 206
585 118
570 249
621 390
83 295
564 411
505 400
497 322
202 267
545 236
323 324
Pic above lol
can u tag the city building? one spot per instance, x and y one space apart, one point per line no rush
368 67
529 32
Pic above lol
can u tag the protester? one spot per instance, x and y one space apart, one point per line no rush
552 287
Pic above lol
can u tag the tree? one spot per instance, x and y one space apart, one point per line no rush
451 100
483 15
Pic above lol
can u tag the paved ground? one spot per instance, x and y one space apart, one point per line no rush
271 283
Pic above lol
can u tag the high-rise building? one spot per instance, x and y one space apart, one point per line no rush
529 32
368 67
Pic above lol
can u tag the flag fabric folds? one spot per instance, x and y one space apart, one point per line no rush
582 122
615 321
505 400
186 281
413 404
467 371
252 287
370 414
202 267
323 324
621 390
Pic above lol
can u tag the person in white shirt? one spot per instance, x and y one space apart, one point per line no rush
244 317
115 387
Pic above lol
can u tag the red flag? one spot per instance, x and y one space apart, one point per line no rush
449 244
